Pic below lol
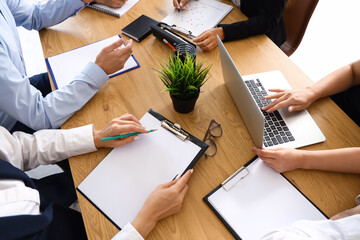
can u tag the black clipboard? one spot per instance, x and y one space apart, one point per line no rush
95 187
236 177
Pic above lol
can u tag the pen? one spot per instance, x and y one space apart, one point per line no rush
125 135
178 3
167 43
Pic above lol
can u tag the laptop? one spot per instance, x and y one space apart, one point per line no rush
270 130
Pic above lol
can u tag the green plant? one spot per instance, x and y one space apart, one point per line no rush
183 79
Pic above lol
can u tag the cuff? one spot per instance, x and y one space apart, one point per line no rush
94 75
80 140
128 233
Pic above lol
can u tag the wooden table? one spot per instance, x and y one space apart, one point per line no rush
138 90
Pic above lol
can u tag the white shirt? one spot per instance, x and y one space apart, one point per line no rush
26 151
343 229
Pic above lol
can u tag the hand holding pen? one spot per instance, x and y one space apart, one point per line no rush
180 4
125 124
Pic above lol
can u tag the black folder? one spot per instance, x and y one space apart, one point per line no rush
139 28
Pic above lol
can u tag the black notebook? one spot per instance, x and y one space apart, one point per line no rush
139 28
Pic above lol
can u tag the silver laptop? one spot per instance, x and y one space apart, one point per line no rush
278 129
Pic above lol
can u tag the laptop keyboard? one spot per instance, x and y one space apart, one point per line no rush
275 131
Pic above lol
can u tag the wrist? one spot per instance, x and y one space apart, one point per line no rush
303 161
314 93
97 139
144 223
87 1
220 32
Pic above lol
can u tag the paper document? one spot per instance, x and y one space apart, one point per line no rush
260 202
199 16
124 179
65 66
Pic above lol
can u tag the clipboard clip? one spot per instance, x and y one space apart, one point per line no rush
177 29
237 176
175 129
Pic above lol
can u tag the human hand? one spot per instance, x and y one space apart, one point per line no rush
112 3
207 40
164 201
281 159
121 125
296 99
112 58
182 4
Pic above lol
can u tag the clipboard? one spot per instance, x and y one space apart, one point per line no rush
65 66
122 181
256 200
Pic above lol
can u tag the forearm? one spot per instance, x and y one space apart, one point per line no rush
27 151
337 81
43 14
337 160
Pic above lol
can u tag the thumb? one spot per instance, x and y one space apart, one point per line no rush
114 45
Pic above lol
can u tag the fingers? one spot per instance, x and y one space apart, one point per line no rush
183 180
183 192
276 90
129 117
201 37
279 103
114 45
176 4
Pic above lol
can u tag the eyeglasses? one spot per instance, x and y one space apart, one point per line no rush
214 130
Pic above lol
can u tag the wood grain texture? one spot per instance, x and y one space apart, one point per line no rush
138 90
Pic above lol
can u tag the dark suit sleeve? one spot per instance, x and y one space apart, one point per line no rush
265 21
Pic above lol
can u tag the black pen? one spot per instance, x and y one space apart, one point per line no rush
179 5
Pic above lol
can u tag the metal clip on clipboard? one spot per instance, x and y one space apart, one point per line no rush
231 181
175 129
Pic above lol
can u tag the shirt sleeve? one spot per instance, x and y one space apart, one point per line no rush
345 228
26 104
128 233
43 14
265 21
26 151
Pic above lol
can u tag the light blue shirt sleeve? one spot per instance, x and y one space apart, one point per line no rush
42 14
25 103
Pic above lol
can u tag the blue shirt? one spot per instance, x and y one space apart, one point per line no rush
19 100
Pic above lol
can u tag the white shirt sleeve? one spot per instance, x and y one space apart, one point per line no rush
346 228
128 233
26 151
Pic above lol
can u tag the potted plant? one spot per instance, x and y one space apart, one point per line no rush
183 78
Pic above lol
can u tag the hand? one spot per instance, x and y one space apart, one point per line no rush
112 3
296 99
112 58
182 4
207 40
121 125
280 159
164 201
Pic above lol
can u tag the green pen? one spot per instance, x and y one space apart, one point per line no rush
126 135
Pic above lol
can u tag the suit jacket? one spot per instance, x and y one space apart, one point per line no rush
24 226
264 17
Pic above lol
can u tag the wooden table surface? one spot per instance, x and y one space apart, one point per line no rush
138 90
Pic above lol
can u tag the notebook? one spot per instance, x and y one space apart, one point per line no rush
256 200
199 16
65 66
117 12
139 28
122 181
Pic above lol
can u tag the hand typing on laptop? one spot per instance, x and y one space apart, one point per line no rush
296 99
